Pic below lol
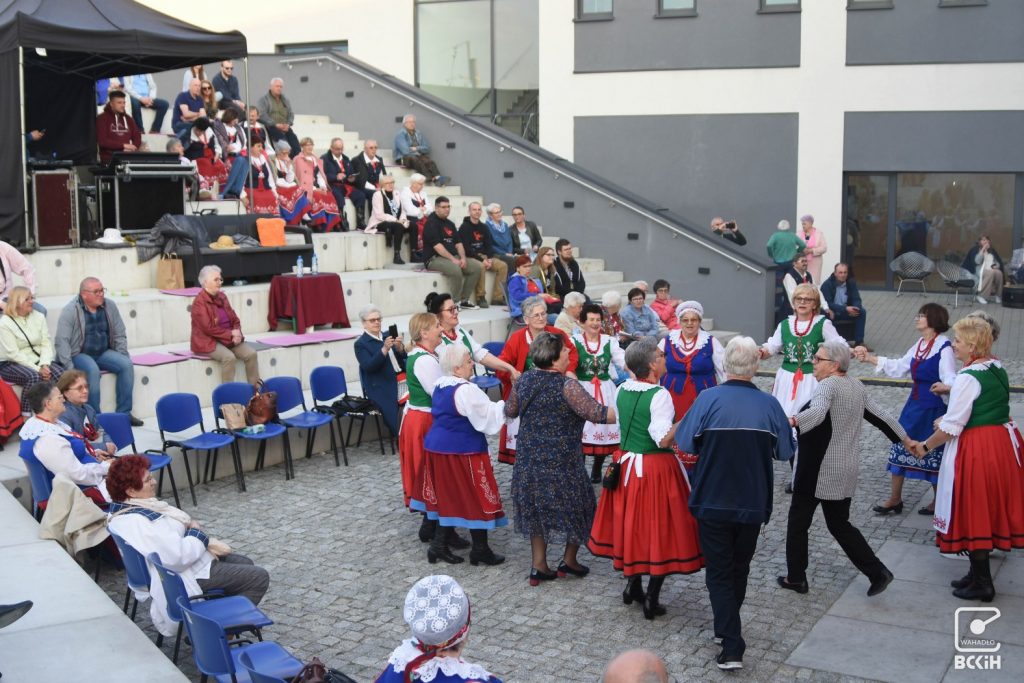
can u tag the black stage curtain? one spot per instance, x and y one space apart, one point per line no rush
12 201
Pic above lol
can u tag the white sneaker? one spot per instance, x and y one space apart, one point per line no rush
981 300
999 299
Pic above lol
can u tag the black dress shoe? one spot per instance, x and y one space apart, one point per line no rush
485 556
926 511
964 582
536 576
976 590
801 587
729 662
634 592
880 583
564 569
896 509
136 422
398 260
444 554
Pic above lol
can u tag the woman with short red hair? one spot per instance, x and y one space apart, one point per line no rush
152 526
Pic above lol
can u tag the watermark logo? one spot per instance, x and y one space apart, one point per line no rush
974 649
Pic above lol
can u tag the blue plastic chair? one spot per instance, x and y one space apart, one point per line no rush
118 427
232 613
177 413
240 392
40 478
290 397
214 656
489 380
255 675
328 384
135 570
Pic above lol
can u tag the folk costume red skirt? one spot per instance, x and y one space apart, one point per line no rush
458 489
988 492
644 525
411 455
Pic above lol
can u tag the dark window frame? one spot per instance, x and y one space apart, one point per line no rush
791 6
660 12
859 5
311 47
593 16
962 3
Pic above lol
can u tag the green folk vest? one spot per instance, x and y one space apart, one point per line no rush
797 352
591 365
992 407
634 409
460 334
418 396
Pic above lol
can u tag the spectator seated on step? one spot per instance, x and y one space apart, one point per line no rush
57 447
842 295
416 206
569 319
611 302
413 151
503 239
341 177
324 212
12 262
521 286
187 109
638 318
26 350
203 148
253 127
277 115
476 238
141 90
225 83
79 415
91 337
115 130
369 168
444 252
387 216
664 305
568 276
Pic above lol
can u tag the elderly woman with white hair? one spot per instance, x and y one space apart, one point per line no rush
456 486
437 611
381 360
829 461
290 196
611 302
415 203
216 330
568 320
388 216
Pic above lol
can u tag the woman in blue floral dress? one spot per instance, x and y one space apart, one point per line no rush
551 491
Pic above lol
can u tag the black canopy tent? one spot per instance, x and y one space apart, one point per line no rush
51 54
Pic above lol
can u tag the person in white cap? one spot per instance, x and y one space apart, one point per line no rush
437 611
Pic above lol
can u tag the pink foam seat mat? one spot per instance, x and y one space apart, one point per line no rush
156 358
187 291
315 337
187 353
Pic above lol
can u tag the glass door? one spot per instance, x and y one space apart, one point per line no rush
866 228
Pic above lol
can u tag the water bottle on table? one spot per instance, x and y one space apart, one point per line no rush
298 266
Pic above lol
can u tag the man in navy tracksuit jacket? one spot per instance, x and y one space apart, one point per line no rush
737 430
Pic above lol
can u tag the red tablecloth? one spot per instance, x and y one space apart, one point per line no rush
310 300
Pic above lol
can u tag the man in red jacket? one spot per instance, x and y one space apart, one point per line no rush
115 130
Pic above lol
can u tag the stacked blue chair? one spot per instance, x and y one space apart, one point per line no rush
289 397
40 478
489 380
240 392
136 572
118 427
177 413
328 385
232 613
214 656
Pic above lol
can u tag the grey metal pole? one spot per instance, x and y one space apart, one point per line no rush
248 141
24 143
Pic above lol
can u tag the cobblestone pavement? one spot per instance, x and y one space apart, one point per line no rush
342 554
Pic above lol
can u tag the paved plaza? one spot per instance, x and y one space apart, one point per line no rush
342 554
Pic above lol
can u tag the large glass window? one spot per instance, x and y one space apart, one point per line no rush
457 60
867 227
677 8
942 215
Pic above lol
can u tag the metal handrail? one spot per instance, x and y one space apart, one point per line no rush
505 145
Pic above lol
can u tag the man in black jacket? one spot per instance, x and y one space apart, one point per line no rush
841 294
341 177
568 276
368 168
444 252
476 240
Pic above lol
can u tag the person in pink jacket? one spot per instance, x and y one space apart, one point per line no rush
816 245
12 263
309 174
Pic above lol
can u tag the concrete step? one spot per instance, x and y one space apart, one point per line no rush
601 277
590 265
315 120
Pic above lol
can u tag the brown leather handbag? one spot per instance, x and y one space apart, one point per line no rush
262 406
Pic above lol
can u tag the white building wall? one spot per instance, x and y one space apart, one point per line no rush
379 32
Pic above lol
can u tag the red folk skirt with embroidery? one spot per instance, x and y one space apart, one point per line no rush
263 201
411 455
644 525
988 493
459 489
